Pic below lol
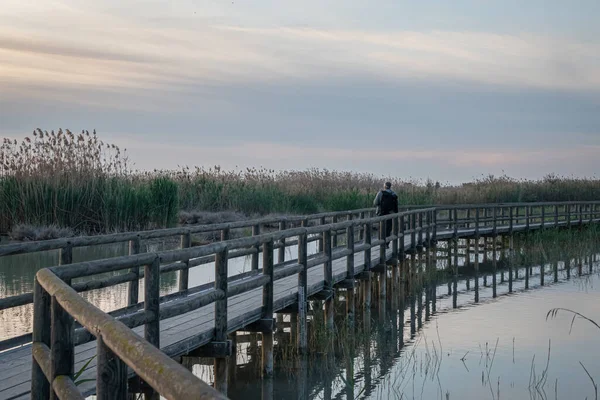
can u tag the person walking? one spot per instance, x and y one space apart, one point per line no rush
386 202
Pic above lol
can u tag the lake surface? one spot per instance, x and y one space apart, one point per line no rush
434 343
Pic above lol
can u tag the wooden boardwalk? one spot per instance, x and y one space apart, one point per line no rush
186 332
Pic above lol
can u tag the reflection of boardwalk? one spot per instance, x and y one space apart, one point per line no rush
390 336
183 332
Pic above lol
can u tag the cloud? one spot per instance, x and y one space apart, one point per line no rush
135 53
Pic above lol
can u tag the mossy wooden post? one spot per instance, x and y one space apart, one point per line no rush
281 253
220 364
527 216
62 347
184 274
542 271
40 386
350 306
555 266
328 280
134 286
254 259
111 374
527 272
267 336
302 290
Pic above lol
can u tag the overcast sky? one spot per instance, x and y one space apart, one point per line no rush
450 90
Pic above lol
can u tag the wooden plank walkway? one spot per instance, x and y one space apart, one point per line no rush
186 332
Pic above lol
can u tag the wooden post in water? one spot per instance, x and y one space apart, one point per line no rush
555 266
413 235
184 274
526 277
40 386
133 289
267 314
220 307
328 277
254 259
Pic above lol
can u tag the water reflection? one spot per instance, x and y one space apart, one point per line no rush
467 330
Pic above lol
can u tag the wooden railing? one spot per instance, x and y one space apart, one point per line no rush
57 304
480 217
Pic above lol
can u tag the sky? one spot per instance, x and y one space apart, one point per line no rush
447 90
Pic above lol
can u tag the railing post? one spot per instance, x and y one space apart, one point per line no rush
321 240
134 285
334 233
267 336
151 305
395 241
420 228
254 259
428 226
66 254
302 290
401 237
517 215
184 274
220 364
40 387
111 374
434 222
580 214
527 216
62 348
382 247
361 232
151 300
477 223
590 213
568 212
281 254
543 225
328 279
510 222
367 240
494 223
413 233
556 215
350 306
455 228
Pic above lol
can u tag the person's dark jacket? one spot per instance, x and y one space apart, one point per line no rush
386 202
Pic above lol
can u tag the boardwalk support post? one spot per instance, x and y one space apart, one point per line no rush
40 387
220 364
302 291
328 280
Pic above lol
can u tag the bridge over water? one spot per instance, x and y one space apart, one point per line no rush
134 349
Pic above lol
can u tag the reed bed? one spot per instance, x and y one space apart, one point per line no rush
77 181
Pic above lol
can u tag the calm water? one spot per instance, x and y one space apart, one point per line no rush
417 347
